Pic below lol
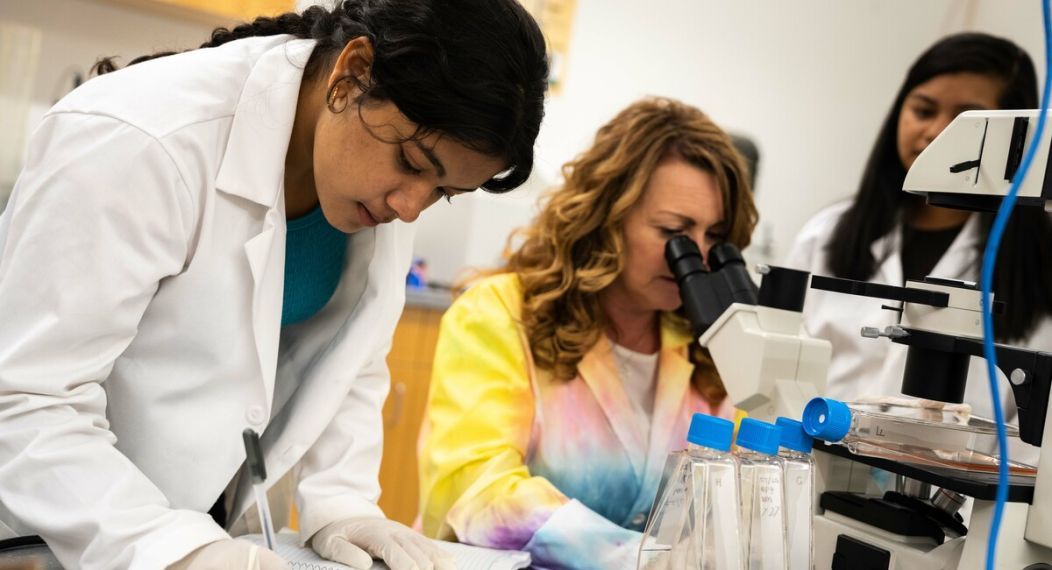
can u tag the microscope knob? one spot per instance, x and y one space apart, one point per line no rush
888 332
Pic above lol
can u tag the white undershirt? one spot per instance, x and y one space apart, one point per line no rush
638 373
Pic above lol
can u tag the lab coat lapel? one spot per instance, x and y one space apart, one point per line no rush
886 251
325 356
253 168
599 370
670 405
266 258
959 261
331 351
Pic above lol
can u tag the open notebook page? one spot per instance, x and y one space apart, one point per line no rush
467 557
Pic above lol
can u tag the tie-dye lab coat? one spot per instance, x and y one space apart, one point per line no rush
512 458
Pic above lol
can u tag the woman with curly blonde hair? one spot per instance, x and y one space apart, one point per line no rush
562 382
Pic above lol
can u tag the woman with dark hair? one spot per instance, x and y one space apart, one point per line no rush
216 240
561 383
888 236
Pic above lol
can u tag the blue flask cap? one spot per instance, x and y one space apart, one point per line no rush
759 436
710 431
793 435
827 419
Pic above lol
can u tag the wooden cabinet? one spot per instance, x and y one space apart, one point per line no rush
236 9
412 353
212 12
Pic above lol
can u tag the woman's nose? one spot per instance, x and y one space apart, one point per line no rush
410 200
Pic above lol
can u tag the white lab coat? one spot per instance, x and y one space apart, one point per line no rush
141 274
874 367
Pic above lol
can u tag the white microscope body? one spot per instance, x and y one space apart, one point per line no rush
769 365
970 165
983 150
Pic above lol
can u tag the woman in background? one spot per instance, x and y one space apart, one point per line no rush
884 235
561 384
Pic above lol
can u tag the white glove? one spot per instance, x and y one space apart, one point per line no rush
356 541
230 554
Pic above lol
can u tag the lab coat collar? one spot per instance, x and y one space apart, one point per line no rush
253 165
344 332
671 404
600 373
957 263
266 260
673 385
886 251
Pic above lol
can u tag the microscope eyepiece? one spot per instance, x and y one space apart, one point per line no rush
706 292
724 254
683 257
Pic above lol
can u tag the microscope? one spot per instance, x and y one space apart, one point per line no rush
969 166
769 365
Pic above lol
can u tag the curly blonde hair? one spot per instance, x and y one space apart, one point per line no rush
574 248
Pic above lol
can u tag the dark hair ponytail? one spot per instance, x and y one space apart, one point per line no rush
880 201
474 70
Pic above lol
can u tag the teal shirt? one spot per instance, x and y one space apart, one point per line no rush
314 252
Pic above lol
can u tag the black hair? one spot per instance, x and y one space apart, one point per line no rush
1022 279
472 70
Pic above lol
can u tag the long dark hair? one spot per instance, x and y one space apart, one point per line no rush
1023 279
474 70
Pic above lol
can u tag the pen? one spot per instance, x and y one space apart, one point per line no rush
258 471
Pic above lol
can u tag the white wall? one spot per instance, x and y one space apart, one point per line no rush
73 35
77 32
810 81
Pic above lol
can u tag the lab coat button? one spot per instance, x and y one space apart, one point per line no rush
254 415
639 519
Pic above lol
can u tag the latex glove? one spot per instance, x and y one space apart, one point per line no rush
230 554
356 541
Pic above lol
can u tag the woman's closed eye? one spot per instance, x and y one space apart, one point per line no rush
403 162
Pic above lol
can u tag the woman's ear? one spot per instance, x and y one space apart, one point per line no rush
352 66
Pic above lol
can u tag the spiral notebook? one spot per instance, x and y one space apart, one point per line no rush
467 557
